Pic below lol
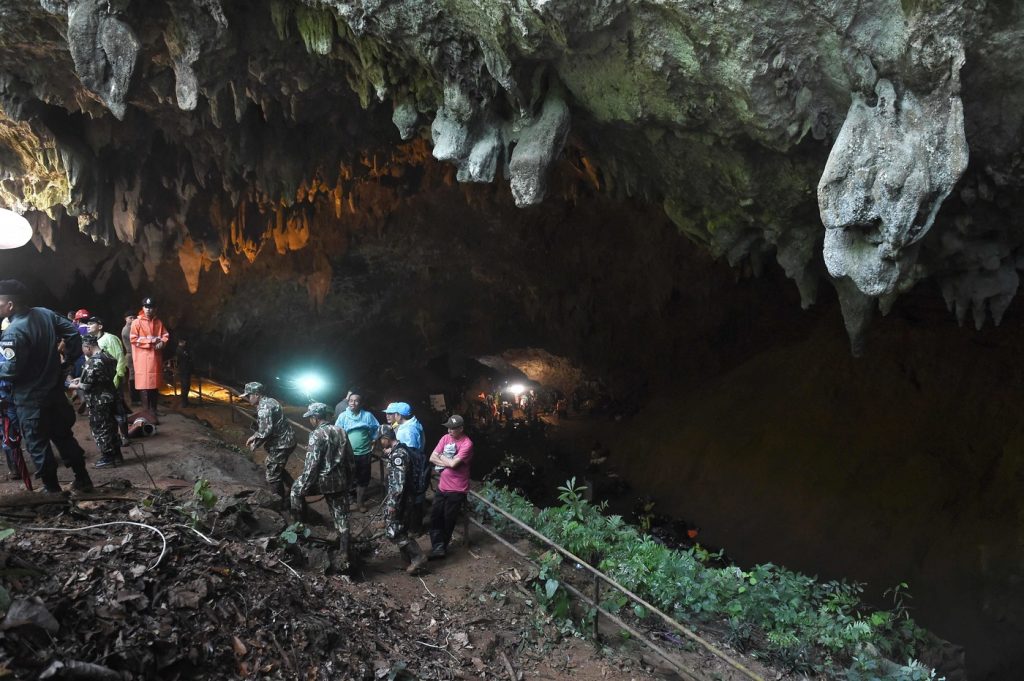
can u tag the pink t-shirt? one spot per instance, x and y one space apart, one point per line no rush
455 479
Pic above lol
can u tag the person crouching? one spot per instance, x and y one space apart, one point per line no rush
327 471
97 382
400 497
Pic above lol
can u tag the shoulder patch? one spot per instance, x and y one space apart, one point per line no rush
398 461
8 353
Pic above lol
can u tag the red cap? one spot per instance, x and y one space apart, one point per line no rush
82 314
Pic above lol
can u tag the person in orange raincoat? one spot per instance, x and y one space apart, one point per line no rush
148 337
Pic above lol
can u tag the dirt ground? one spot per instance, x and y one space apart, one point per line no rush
471 615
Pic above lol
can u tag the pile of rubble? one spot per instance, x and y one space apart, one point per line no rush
123 600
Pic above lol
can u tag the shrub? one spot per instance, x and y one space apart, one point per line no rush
807 626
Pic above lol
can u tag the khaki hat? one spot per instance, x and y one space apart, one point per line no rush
252 388
318 410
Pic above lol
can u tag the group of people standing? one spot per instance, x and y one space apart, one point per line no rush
338 462
40 351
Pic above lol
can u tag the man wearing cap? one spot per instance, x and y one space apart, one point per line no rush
275 433
327 471
97 382
410 432
34 368
452 455
360 427
148 338
400 496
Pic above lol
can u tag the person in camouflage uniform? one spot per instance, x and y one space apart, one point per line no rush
400 497
275 433
328 471
97 382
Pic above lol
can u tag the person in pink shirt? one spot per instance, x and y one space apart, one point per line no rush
452 457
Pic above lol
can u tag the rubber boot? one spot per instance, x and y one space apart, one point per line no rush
343 552
82 482
285 493
415 556
360 493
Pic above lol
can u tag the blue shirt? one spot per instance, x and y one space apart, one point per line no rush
348 422
410 434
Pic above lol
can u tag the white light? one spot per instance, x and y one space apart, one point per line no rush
310 383
14 229
517 389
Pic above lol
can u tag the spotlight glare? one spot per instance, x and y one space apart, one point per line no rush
310 383
517 389
15 231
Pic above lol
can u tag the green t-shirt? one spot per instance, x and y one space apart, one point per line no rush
361 441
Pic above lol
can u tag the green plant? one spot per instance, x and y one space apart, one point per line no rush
203 495
806 626
292 533
203 500
550 593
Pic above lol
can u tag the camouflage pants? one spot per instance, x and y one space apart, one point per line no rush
337 505
103 423
396 521
276 459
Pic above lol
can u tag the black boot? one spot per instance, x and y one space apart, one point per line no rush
82 483
49 478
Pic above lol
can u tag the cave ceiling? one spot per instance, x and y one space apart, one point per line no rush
871 144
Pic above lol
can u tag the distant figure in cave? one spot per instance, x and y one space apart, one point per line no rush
183 355
132 395
148 338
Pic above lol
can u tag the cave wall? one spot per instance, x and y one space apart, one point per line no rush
906 465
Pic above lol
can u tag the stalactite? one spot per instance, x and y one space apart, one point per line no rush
317 28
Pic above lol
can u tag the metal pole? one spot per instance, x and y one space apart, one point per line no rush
676 664
707 645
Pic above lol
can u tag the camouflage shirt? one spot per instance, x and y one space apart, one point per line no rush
328 463
400 489
98 374
273 430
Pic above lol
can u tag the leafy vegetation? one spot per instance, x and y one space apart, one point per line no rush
293 532
203 500
788 619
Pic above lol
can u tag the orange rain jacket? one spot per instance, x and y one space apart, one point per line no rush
146 331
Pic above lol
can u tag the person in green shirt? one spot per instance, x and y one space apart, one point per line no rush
361 428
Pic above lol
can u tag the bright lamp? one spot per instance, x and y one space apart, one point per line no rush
14 229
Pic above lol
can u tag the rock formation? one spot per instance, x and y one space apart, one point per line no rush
217 128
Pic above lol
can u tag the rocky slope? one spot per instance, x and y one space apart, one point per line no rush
880 138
